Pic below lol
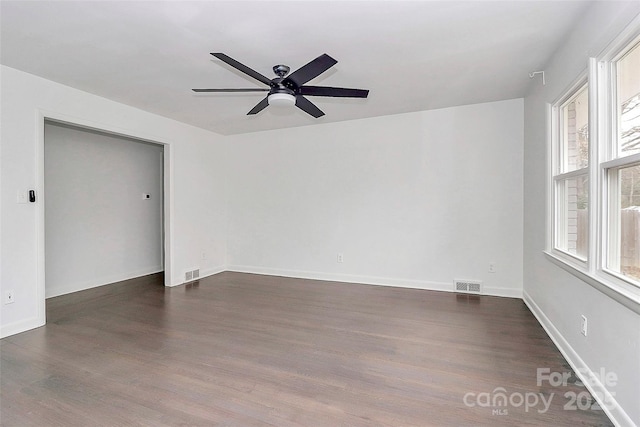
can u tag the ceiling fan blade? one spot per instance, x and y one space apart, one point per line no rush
232 90
241 67
259 107
313 69
337 92
308 107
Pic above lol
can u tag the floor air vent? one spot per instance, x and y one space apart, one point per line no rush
467 286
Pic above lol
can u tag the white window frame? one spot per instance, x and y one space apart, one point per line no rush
611 162
558 223
603 164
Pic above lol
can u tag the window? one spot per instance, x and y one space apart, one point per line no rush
628 102
571 177
595 171
622 168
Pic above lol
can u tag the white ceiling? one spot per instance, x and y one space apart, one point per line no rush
411 55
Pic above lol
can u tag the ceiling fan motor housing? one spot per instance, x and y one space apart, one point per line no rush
282 85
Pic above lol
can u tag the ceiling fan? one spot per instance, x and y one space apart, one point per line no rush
289 89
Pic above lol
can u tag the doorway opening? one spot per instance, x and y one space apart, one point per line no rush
104 208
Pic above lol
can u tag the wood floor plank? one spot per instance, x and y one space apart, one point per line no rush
247 350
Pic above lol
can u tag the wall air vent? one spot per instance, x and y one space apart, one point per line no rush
467 286
192 275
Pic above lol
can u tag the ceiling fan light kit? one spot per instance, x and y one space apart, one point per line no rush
282 100
288 89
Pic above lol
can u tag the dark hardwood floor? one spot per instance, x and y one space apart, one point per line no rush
248 350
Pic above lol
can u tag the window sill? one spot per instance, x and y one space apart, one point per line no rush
624 293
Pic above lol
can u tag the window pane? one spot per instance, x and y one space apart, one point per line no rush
627 261
628 103
573 218
574 144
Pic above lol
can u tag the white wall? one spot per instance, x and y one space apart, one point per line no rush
194 186
557 297
413 199
98 227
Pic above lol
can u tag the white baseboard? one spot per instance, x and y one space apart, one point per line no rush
94 283
502 292
592 381
369 280
203 273
21 326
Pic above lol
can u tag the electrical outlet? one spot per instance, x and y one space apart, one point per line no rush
340 257
583 326
492 267
203 255
9 297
